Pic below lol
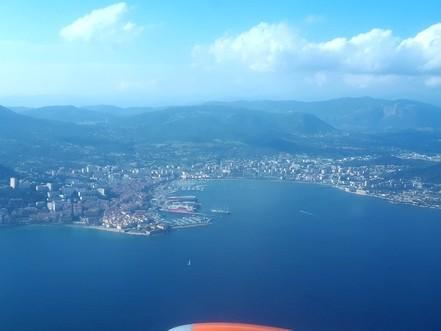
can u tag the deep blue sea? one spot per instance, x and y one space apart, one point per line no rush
306 257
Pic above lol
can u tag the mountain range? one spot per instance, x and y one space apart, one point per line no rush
205 123
349 114
357 114
351 123
80 115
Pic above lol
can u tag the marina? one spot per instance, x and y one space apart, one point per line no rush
189 222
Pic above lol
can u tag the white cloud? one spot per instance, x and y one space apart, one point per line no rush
426 45
259 48
275 47
104 24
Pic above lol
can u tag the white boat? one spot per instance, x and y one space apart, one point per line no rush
220 211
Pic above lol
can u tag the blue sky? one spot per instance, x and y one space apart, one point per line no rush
168 52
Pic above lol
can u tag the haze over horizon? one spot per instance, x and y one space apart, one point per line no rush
20 105
165 53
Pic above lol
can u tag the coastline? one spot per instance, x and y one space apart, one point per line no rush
181 227
103 228
340 188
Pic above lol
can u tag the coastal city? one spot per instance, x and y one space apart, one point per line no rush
144 200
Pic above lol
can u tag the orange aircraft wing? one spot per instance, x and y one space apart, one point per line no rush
225 327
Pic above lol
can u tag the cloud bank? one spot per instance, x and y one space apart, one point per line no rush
277 48
104 24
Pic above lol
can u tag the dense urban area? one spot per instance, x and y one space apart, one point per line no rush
147 199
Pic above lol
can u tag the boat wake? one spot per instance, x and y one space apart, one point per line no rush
306 212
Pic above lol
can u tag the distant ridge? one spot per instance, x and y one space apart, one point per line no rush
344 126
6 113
119 111
13 125
23 137
354 114
81 115
205 123
68 113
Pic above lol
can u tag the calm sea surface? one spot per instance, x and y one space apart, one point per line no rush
301 256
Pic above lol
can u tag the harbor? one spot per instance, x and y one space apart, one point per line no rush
174 205
178 207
